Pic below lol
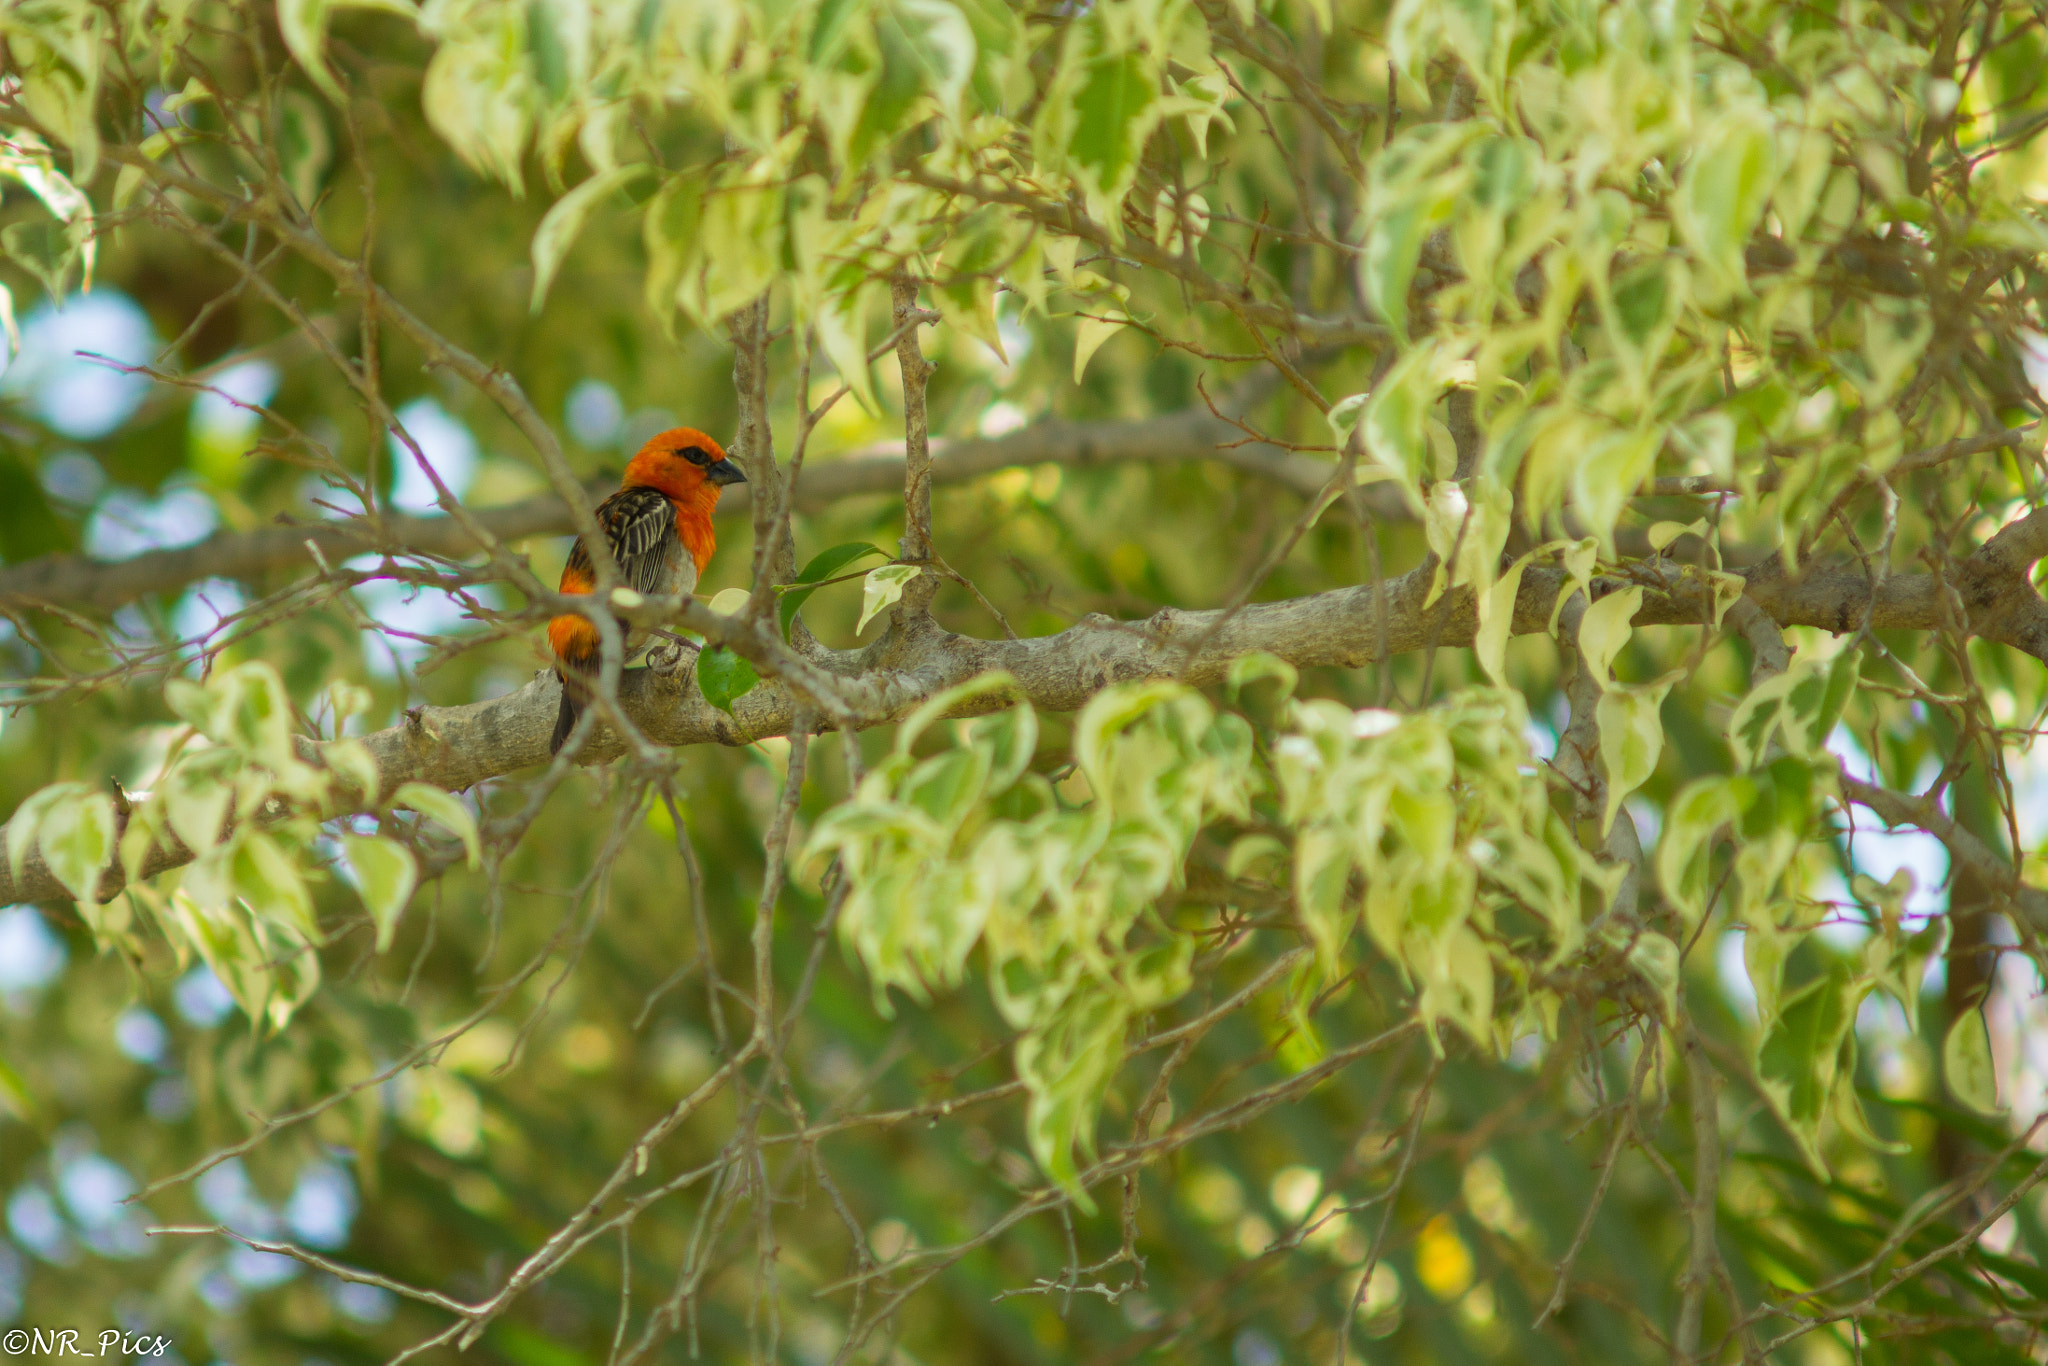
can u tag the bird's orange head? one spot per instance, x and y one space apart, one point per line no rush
685 464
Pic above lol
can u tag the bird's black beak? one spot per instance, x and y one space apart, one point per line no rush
724 472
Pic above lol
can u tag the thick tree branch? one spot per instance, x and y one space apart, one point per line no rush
82 583
457 747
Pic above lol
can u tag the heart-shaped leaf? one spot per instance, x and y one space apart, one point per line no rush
881 588
724 677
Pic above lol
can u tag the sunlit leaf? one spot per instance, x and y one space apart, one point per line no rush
564 220
881 589
446 810
1966 1063
385 874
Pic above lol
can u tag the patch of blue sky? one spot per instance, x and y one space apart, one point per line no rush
222 410
448 447
201 998
1879 853
127 523
95 1188
68 390
201 609
594 414
410 612
31 954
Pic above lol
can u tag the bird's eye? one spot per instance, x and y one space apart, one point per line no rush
696 455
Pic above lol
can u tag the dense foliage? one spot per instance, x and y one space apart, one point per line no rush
1432 762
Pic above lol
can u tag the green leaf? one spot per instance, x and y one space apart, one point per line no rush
1895 332
386 875
1631 723
1248 669
1113 114
1089 337
77 838
1607 476
253 713
266 877
842 327
1497 621
823 565
564 220
995 683
1966 1063
1723 190
1605 629
303 23
1798 1062
1655 958
446 810
1386 266
724 677
881 588
305 148
28 817
1684 848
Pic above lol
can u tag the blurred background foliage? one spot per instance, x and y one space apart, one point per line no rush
119 1069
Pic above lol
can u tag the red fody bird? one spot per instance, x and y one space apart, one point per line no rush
658 526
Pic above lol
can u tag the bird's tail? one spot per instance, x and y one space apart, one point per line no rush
565 717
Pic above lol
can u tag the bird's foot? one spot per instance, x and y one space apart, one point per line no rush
668 657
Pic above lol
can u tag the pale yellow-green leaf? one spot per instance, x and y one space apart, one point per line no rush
1497 620
1662 534
1322 867
1579 558
1605 629
303 25
351 763
1607 476
1895 332
270 881
730 601
22 827
196 796
1631 727
446 810
191 703
842 328
1759 716
77 840
253 713
225 942
346 699
564 220
1456 976
1249 854
1088 339
996 682
1723 189
881 589
1248 669
1727 590
1466 525
385 874
1655 958
1966 1063
1702 807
